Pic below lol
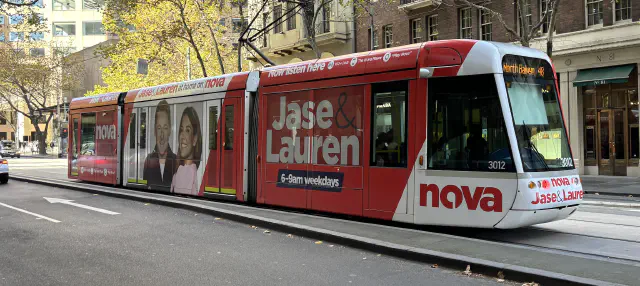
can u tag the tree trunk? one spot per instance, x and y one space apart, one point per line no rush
552 28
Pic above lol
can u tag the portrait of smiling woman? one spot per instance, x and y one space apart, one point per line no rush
185 180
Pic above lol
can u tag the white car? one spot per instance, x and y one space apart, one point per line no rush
4 171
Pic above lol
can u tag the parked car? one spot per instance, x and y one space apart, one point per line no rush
9 149
4 171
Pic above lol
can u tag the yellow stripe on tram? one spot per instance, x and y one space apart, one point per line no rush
211 189
228 191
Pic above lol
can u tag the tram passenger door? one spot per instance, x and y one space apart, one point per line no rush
74 146
612 147
211 179
137 147
220 173
229 146
389 168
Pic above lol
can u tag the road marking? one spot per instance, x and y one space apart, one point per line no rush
28 212
611 204
71 203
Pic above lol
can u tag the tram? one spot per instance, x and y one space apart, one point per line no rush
456 132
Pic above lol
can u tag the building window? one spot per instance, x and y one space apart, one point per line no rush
63 5
485 25
623 10
326 16
238 25
92 4
277 14
594 12
15 19
39 4
388 35
527 19
3 121
93 28
16 36
416 30
544 8
389 131
466 22
221 22
1 20
291 21
36 52
64 51
432 22
375 40
265 19
64 29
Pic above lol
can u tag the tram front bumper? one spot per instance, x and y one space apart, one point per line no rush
522 218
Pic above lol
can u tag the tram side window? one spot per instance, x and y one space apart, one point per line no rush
389 124
466 129
87 134
132 132
228 125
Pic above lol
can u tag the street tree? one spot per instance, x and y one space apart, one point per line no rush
30 82
172 35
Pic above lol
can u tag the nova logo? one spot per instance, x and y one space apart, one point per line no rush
214 82
105 132
489 199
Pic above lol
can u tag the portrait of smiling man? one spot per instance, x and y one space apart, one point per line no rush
159 166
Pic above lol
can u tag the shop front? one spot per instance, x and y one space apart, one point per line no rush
611 138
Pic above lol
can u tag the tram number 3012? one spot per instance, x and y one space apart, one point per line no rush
497 165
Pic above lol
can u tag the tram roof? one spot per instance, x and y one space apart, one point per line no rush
219 83
95 101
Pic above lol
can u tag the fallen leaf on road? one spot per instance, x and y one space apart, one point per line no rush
500 280
254 227
631 196
331 245
319 242
467 271
500 274
146 204
379 255
290 235
531 284
364 258
597 194
434 266
217 218
95 194
266 231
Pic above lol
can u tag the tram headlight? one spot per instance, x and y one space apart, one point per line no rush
421 160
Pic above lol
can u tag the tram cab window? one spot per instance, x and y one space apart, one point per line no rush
389 124
87 134
466 129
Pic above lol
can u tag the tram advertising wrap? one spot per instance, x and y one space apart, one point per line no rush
319 128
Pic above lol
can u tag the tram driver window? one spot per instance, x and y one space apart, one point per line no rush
466 129
389 124
87 134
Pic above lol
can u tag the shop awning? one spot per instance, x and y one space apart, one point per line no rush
618 74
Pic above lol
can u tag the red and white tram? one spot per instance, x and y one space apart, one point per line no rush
458 132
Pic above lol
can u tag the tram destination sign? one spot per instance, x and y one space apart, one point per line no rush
526 67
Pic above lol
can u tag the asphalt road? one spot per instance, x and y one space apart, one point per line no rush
148 244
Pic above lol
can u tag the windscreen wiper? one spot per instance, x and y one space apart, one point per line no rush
533 147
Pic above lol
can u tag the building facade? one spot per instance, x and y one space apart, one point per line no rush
286 41
596 56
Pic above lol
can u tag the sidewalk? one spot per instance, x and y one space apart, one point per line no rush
611 185
520 263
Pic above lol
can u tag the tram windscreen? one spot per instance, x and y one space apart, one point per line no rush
540 131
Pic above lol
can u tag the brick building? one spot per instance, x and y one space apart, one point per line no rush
596 56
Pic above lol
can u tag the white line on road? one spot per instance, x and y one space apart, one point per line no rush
28 212
71 203
611 204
